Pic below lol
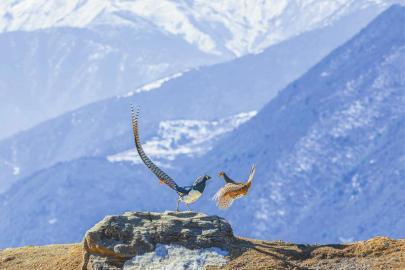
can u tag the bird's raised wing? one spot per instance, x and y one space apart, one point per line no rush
228 193
163 177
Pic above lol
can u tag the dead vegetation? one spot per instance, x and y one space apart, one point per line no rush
55 257
377 253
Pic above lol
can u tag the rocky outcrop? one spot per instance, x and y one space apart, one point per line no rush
117 239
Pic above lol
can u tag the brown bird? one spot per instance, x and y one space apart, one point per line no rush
232 190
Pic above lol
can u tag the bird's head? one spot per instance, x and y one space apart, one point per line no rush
201 180
221 174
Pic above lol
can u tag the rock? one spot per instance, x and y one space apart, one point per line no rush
179 258
117 239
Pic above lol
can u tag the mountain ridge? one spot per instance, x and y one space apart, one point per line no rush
60 56
341 117
344 109
230 83
244 25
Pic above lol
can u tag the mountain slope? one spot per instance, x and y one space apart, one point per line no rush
324 142
57 56
77 193
329 149
208 93
47 72
62 203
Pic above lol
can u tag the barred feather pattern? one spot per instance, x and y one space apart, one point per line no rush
146 160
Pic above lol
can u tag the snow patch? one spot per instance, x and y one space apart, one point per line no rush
153 85
16 170
167 257
347 240
52 221
324 74
184 137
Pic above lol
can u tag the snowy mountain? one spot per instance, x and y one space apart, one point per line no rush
239 27
205 94
329 149
60 55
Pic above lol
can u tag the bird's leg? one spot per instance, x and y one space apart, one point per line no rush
188 207
178 203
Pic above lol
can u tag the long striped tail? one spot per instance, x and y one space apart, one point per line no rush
163 177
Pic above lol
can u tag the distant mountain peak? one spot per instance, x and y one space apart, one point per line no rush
235 26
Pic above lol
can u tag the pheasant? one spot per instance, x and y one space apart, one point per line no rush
232 190
186 194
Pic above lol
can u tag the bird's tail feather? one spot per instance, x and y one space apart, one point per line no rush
252 173
163 177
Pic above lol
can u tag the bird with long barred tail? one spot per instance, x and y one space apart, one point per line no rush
232 190
186 194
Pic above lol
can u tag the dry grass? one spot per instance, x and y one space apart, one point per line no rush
377 253
53 257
